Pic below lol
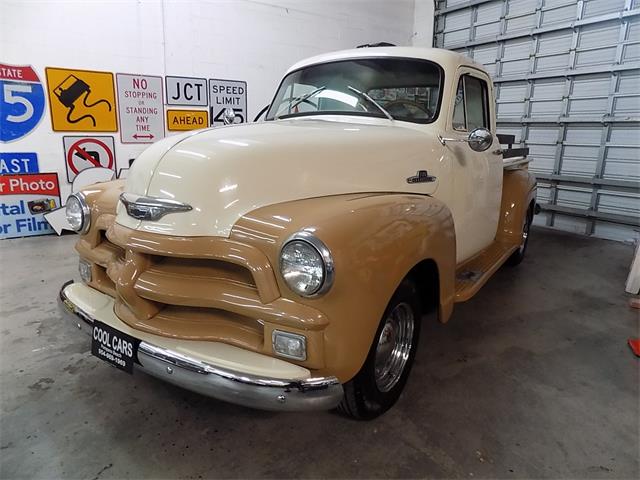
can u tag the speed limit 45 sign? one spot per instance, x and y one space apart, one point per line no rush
21 101
225 94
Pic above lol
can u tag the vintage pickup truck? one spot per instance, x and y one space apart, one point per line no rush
286 264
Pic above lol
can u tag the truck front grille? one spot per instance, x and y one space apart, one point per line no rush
205 290
195 288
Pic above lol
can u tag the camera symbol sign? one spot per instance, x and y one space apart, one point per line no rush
82 153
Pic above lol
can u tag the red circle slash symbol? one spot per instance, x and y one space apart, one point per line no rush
89 154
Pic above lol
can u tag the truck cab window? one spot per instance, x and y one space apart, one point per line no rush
471 108
459 120
408 90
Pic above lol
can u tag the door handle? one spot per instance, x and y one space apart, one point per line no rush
444 140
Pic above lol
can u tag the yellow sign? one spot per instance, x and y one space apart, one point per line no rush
178 120
81 100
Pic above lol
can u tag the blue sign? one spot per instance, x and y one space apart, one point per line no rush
21 101
12 163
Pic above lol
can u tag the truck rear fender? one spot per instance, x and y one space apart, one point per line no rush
518 195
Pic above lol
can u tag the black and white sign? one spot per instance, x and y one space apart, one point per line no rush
140 108
227 94
113 346
186 91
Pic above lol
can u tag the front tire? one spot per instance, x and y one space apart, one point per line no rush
380 381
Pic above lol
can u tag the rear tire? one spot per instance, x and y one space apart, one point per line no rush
518 255
380 381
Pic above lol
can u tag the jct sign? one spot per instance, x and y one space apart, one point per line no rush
227 94
23 201
141 110
186 91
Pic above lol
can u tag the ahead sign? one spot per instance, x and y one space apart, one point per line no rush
227 94
140 108
186 91
180 120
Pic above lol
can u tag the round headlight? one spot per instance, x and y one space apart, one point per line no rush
78 213
306 265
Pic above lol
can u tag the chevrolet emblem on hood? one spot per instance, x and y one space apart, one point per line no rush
151 208
421 177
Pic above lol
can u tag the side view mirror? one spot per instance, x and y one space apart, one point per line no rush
228 116
480 139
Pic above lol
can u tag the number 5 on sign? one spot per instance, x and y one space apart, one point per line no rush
9 97
239 117
21 101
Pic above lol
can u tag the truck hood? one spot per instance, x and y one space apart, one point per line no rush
223 173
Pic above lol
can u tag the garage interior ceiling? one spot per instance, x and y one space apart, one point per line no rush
567 77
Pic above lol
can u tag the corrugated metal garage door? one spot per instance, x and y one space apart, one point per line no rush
568 84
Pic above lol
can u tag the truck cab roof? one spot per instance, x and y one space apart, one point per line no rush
447 59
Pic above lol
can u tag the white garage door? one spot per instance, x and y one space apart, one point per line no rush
568 84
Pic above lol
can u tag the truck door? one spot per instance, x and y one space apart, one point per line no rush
477 176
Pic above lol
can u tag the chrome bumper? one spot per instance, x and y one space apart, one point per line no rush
232 386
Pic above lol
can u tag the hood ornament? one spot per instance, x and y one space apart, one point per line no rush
151 208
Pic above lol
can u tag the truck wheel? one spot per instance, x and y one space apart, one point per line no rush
380 381
518 255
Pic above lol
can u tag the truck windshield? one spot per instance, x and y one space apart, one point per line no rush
407 89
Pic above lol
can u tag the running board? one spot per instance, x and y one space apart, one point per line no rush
474 273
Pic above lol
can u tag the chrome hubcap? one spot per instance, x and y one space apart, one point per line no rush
394 346
525 234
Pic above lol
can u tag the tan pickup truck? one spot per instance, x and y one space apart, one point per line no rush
286 264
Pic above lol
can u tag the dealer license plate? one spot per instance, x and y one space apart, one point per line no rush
113 346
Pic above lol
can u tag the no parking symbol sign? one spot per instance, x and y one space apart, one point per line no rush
88 152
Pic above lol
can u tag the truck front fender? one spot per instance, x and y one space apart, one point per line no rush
375 241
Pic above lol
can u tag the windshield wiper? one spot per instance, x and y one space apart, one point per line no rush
298 100
364 95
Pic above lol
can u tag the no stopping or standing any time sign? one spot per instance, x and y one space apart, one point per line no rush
141 108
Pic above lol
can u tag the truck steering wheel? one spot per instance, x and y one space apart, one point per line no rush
401 101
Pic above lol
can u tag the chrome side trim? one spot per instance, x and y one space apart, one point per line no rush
151 208
321 393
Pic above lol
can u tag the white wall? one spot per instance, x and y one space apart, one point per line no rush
423 23
251 40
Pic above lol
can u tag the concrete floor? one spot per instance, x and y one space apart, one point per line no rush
531 378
